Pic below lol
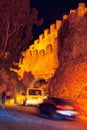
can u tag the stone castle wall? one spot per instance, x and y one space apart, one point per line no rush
41 58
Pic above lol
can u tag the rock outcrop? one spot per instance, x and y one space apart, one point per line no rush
70 79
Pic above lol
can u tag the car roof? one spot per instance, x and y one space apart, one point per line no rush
59 100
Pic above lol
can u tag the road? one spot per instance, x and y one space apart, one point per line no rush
26 118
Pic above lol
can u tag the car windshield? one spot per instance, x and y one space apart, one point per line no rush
35 92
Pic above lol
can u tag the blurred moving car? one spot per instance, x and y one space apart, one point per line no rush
58 108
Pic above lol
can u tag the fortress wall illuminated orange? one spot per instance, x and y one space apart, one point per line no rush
41 58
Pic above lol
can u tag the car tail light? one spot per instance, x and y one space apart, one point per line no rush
60 107
76 107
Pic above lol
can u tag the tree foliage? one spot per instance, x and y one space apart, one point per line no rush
16 22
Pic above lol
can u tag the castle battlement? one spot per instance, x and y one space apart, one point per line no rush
52 27
72 11
46 32
65 16
82 5
58 24
81 9
49 34
42 56
36 42
47 37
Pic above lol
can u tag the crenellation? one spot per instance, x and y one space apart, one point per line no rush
81 9
41 36
58 24
47 37
52 27
36 42
46 32
65 16
31 47
72 11
82 5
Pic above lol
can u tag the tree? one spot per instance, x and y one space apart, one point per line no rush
16 22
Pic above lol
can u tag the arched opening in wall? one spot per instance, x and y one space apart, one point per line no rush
38 83
41 83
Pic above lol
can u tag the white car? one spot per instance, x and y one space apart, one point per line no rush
34 96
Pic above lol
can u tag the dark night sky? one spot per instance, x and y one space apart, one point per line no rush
50 10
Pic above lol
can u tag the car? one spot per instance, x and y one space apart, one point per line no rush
34 96
58 108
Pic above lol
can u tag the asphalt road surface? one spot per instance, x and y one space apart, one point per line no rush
26 118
